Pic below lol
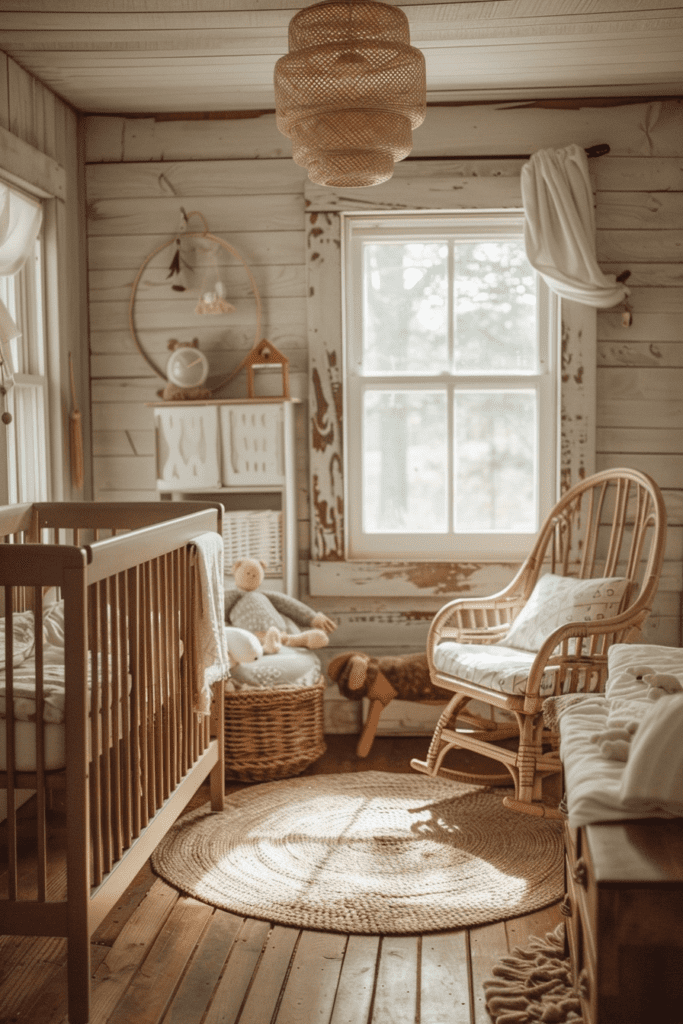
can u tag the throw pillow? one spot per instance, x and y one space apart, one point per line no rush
556 600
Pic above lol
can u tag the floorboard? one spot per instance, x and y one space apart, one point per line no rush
163 958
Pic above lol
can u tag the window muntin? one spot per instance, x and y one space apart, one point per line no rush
449 377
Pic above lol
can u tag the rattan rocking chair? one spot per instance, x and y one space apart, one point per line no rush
610 530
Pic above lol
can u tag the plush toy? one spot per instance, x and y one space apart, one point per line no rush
380 680
615 741
242 646
661 685
262 612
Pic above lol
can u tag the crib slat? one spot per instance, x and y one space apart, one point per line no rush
134 749
148 706
182 595
155 656
10 752
191 667
172 594
41 808
116 733
95 767
164 658
141 674
169 659
102 682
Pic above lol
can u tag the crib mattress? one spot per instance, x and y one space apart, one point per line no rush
25 754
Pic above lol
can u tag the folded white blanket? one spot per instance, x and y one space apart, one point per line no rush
653 777
210 651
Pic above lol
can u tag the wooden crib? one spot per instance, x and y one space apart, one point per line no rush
117 584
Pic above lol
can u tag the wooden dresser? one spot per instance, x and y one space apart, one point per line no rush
625 920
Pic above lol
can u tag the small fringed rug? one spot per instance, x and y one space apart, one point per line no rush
366 853
534 984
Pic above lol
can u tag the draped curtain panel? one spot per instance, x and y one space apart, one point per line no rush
20 221
559 227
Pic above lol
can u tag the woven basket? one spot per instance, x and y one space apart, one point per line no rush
273 734
253 534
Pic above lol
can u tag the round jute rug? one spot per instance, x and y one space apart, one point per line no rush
366 853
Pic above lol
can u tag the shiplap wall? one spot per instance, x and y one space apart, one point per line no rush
240 175
33 114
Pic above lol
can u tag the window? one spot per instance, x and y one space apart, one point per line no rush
26 451
451 387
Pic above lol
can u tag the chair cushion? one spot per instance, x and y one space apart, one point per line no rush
499 668
556 600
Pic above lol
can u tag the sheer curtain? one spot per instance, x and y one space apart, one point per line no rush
20 221
559 227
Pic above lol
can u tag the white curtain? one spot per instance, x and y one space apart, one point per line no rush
559 227
20 221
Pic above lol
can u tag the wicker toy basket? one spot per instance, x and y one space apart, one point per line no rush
273 734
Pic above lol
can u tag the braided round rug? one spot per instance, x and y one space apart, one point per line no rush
366 853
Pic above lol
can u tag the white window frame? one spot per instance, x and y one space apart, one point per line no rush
27 464
484 546
422 185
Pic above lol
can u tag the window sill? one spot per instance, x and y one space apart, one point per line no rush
408 578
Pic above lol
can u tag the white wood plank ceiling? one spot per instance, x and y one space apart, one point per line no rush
163 56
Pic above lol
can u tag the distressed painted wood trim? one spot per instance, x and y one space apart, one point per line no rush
578 354
323 263
24 165
330 573
429 185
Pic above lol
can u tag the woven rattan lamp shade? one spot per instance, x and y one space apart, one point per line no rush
350 91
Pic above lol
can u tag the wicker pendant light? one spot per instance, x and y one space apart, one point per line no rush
350 91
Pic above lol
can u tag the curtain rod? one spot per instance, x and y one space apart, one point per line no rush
602 149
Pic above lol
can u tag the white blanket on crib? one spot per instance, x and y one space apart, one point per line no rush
211 654
24 672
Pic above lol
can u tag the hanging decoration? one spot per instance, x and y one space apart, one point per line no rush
350 91
182 380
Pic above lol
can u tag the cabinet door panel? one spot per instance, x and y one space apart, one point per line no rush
187 447
252 445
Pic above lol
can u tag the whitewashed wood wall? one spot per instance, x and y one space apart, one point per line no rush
239 173
32 114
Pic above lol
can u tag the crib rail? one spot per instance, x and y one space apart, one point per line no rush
131 730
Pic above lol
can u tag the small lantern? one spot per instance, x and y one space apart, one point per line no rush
350 91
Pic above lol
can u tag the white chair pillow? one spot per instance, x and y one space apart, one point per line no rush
556 600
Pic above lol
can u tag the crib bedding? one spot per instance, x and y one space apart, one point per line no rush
594 783
24 692
24 666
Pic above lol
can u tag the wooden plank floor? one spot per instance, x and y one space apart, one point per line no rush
161 958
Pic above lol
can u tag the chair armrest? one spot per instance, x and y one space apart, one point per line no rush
464 620
580 664
473 615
